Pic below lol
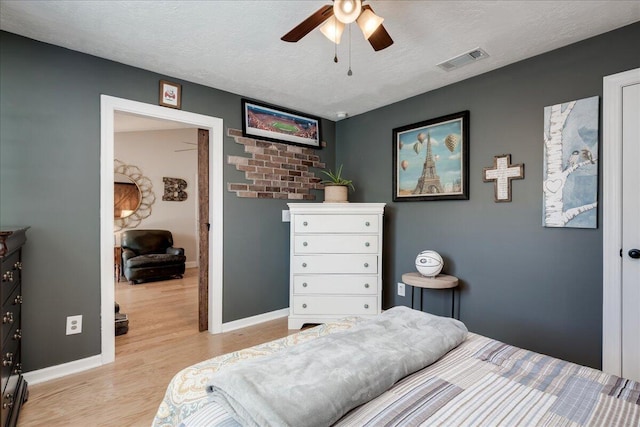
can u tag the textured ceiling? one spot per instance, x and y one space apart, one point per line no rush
235 45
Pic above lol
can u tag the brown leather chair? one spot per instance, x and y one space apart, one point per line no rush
150 255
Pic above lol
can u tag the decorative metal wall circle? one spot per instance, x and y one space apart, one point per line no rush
147 197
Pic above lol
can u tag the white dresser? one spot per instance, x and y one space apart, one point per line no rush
336 261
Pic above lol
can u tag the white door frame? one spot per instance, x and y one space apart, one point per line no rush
108 106
612 218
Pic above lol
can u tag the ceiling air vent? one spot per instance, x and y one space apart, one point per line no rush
464 59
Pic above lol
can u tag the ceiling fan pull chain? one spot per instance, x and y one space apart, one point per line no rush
335 52
349 73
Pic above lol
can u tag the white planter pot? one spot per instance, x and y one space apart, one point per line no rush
336 194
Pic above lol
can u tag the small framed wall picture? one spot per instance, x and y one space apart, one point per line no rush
170 94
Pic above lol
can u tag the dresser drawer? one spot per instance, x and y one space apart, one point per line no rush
343 305
334 264
10 274
9 397
10 360
335 284
336 244
336 224
11 312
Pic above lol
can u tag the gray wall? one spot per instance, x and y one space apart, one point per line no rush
527 285
50 163
530 286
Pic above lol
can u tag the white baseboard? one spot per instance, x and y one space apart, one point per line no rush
76 366
53 372
254 320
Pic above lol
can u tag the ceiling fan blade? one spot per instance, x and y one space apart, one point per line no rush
306 26
380 39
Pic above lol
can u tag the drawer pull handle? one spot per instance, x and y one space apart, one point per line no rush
7 277
366 265
7 360
304 305
305 244
304 264
367 223
305 223
17 265
18 335
18 369
366 306
7 318
17 300
367 244
304 285
8 404
366 285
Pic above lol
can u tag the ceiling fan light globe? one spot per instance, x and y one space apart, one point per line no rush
347 11
332 29
369 23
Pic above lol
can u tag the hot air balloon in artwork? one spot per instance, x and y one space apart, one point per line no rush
417 147
451 141
404 164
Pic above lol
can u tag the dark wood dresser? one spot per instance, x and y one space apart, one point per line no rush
14 387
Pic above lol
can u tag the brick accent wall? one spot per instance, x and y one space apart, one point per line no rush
275 171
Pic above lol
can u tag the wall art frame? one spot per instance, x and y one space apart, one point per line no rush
170 94
570 164
431 159
501 174
271 123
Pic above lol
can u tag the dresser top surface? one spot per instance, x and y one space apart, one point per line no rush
7 230
336 207
11 238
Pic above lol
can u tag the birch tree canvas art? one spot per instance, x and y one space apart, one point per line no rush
570 178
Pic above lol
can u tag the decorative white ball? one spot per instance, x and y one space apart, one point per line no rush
429 263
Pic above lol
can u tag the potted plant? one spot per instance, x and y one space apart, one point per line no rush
336 187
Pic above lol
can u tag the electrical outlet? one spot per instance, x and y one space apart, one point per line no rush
401 289
74 324
286 215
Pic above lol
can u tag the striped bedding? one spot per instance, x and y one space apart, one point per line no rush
482 382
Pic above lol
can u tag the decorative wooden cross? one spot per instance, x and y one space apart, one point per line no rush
501 174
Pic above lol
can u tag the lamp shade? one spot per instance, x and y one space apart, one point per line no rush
332 29
369 22
347 11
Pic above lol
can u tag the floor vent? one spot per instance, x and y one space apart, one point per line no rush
464 59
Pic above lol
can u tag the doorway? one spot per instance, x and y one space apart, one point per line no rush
621 228
214 128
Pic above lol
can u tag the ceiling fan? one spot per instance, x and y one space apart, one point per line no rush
187 149
333 19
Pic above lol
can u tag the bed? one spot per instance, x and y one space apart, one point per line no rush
480 382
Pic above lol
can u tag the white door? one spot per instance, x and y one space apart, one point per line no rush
630 232
621 225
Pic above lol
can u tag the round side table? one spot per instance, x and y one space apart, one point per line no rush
441 281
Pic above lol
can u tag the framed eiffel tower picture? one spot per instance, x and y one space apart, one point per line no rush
431 159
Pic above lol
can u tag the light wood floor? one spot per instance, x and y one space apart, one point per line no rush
163 338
